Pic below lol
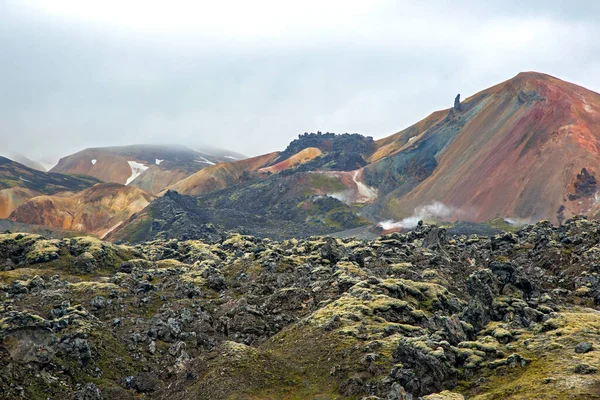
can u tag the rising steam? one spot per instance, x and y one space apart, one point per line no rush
435 210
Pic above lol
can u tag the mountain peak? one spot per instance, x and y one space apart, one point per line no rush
533 75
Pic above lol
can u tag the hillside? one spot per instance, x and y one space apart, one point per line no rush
149 167
276 210
19 183
415 315
525 149
220 176
96 210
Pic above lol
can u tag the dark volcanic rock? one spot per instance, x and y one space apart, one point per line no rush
403 316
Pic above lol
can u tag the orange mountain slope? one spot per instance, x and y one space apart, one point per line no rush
12 198
301 157
526 148
220 176
96 210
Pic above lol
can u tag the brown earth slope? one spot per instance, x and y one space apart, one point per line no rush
12 198
96 210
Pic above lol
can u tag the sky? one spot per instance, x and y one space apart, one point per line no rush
251 76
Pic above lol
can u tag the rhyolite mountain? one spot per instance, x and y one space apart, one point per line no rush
526 149
19 183
308 189
148 167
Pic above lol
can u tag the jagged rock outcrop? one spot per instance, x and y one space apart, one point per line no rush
457 106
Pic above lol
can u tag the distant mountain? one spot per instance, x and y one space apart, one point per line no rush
148 167
22 159
221 176
96 210
19 183
332 157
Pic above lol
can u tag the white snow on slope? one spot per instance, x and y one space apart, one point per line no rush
158 161
411 139
230 157
94 161
136 170
205 161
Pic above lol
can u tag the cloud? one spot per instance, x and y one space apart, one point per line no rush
251 77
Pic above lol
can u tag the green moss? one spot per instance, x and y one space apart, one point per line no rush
550 372
500 223
136 231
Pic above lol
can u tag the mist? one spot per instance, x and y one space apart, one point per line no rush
435 211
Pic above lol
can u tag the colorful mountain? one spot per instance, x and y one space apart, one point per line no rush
149 167
96 210
525 149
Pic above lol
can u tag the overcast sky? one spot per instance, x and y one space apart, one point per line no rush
250 76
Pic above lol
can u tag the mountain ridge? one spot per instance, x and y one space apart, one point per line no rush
147 166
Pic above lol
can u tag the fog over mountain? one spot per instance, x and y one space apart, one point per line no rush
250 78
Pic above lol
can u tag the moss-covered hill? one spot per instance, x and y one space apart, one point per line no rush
513 316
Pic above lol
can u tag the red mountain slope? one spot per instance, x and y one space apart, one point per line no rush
527 148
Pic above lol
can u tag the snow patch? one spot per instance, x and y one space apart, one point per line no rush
411 139
230 157
205 161
94 161
24 180
136 170
157 161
